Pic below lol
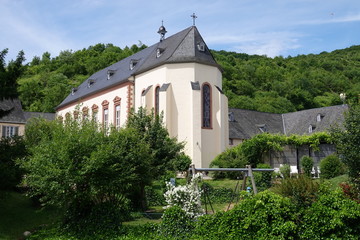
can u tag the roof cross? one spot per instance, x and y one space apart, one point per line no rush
193 17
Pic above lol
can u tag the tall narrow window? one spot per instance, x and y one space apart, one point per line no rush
117 108
117 116
95 110
106 118
157 103
105 105
206 106
85 113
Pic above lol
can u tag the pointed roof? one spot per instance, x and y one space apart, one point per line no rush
182 47
11 111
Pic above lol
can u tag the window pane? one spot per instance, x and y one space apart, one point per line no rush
206 106
117 116
157 91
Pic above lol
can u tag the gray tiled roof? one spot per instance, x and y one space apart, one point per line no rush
47 116
299 122
178 48
247 123
11 111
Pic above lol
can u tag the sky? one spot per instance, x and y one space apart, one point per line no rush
264 27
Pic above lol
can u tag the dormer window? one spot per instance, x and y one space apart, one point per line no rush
201 46
311 128
319 117
159 52
133 63
90 82
110 73
231 117
262 128
73 91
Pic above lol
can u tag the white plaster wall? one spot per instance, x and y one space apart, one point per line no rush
109 95
181 106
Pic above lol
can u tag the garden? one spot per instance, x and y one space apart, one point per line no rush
74 180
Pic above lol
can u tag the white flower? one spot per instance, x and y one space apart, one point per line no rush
187 197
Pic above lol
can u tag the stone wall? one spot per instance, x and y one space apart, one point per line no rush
291 155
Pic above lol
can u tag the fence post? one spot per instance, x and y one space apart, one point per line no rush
250 174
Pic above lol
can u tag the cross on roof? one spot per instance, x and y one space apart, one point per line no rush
193 17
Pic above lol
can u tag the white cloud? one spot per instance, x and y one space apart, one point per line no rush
333 19
25 32
270 44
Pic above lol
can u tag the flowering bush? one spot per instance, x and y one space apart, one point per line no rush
187 197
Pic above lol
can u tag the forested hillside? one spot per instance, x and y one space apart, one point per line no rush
48 80
282 85
251 82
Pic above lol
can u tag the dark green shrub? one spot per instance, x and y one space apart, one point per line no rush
331 167
153 197
285 170
102 219
10 150
176 224
262 179
181 163
216 195
333 216
264 216
303 191
307 163
347 143
230 158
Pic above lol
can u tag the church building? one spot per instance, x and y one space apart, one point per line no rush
177 76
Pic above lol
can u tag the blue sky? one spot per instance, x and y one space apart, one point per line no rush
265 27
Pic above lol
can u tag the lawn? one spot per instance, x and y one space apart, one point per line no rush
18 214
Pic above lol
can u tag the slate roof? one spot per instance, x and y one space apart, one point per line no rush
248 123
11 111
47 116
299 122
178 48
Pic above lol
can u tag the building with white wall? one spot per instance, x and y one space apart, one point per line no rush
177 76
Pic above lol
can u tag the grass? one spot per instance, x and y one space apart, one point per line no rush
334 182
18 214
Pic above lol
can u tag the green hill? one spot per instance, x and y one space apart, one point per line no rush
254 82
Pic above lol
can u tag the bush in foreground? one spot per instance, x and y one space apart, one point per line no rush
302 191
331 167
266 215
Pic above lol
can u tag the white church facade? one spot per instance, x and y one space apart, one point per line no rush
177 76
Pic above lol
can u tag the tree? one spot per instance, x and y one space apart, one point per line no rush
165 150
76 166
10 73
348 143
10 150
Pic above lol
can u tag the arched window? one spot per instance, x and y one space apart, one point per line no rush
206 106
157 92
